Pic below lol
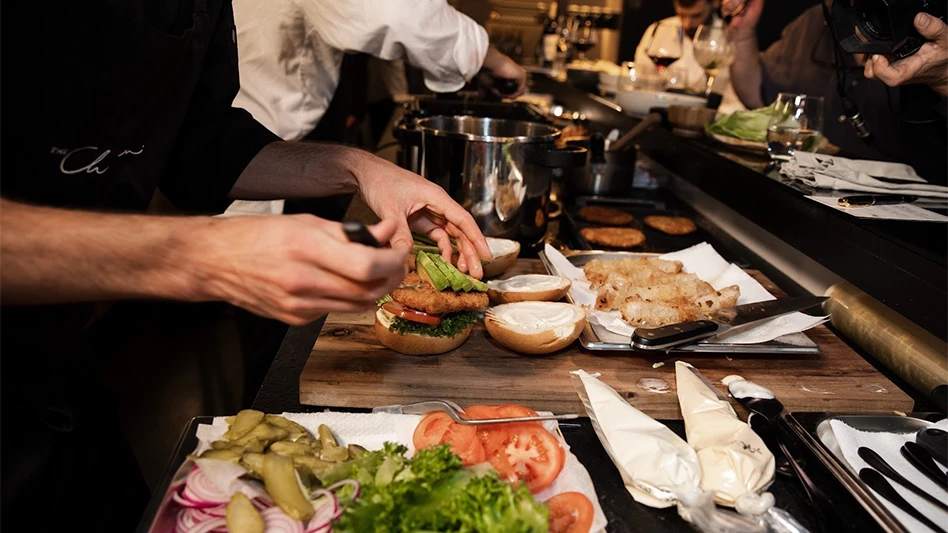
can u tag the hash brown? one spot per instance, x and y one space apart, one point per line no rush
671 225
614 237
606 216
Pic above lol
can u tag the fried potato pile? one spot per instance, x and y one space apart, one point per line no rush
652 292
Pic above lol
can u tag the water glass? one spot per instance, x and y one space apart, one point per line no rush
796 123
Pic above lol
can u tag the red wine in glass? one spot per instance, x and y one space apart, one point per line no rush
663 62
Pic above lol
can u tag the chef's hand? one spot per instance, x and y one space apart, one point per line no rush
743 25
928 66
298 267
500 66
416 203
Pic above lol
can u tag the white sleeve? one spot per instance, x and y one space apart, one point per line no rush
433 36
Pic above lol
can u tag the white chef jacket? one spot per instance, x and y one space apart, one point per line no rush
697 79
291 51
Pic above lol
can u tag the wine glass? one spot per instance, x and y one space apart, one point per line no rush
664 46
796 123
713 51
584 38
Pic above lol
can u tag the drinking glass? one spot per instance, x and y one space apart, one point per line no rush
664 46
713 51
584 38
796 123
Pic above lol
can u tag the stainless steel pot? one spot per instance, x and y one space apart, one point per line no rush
494 168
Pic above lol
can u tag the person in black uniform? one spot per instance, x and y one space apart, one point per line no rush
125 98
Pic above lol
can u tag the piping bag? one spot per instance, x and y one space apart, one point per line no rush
736 464
658 468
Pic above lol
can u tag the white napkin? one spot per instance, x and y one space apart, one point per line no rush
833 172
887 445
705 262
372 430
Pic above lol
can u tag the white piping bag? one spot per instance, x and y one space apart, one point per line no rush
734 460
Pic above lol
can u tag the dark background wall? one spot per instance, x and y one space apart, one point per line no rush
637 15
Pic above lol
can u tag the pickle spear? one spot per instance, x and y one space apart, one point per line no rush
281 482
242 516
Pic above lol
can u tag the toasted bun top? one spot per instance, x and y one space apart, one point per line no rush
530 283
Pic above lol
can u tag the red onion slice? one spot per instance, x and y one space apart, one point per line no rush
184 522
278 522
199 489
209 526
322 519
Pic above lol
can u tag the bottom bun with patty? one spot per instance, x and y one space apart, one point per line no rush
535 327
408 338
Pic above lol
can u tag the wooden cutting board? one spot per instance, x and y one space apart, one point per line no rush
349 368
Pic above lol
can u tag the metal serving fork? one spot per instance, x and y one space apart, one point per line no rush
457 414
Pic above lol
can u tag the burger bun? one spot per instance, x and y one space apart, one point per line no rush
415 344
528 288
505 252
535 327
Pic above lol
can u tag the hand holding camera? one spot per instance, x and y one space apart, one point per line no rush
928 66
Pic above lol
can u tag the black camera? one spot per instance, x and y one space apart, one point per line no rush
883 27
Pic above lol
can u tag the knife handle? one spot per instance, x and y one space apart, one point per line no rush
673 335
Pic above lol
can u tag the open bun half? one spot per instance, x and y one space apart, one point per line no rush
505 252
414 344
528 288
535 327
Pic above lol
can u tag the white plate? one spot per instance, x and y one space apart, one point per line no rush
637 103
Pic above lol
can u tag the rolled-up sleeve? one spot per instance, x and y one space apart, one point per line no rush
433 36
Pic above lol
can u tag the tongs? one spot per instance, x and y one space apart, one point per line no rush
457 414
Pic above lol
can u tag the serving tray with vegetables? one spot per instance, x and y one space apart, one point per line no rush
320 472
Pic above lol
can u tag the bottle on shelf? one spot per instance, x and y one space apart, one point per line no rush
551 35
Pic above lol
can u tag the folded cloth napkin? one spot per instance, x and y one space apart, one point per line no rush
838 173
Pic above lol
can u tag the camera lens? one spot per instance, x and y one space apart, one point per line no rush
874 19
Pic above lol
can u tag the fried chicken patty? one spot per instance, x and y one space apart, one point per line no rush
427 299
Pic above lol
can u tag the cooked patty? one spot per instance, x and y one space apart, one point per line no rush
614 237
604 215
671 225
426 298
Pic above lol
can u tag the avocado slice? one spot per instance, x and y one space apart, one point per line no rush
479 285
445 270
459 281
430 272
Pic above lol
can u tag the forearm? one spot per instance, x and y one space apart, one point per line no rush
747 72
57 256
300 170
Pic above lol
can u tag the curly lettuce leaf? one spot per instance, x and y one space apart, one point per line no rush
434 493
748 125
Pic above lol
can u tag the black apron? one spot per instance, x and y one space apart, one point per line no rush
114 83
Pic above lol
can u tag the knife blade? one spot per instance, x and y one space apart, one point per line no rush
719 322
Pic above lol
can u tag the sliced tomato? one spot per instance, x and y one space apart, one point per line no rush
570 512
464 443
413 315
430 430
513 411
535 455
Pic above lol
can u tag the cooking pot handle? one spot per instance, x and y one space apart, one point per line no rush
566 157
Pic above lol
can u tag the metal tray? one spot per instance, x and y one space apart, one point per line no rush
815 432
595 337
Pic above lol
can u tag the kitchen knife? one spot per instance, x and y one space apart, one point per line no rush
718 322
357 232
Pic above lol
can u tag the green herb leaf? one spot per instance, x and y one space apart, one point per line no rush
451 324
